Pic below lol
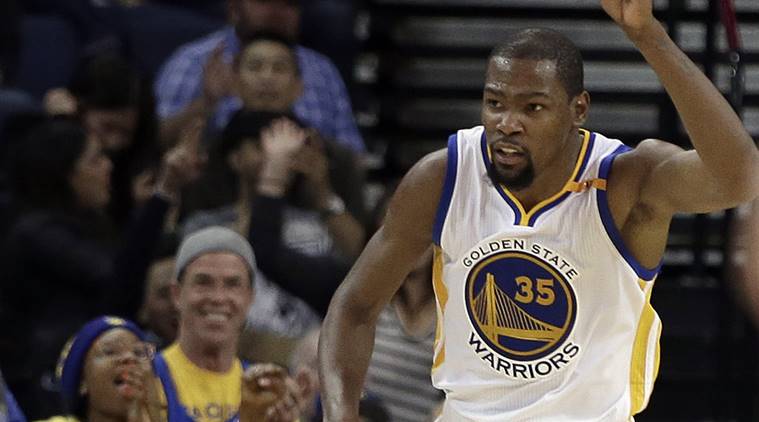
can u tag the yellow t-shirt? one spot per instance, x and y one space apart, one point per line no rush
60 419
208 396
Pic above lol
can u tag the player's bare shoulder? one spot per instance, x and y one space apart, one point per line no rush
642 159
416 200
630 173
429 172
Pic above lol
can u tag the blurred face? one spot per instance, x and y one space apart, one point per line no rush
278 16
246 160
113 128
529 119
268 76
159 312
90 179
112 359
213 298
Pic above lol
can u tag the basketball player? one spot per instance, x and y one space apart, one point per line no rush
547 239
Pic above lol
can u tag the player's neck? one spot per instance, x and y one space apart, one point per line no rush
554 177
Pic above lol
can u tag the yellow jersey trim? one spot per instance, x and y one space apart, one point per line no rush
641 347
441 297
569 186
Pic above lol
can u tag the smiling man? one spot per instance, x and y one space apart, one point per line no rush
200 373
547 239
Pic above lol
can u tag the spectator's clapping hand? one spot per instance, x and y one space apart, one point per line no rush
311 161
218 77
280 143
141 391
143 185
269 395
306 383
59 102
184 163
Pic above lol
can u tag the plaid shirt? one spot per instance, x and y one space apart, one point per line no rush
324 104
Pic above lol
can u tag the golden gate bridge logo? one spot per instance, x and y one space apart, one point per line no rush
520 305
499 315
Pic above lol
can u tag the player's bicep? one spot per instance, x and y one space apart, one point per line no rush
680 182
405 235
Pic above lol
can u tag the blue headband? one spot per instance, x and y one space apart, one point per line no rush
71 362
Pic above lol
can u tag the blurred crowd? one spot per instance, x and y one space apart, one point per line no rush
183 188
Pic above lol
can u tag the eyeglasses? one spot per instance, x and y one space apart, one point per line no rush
141 351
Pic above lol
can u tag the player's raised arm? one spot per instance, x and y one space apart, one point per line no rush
347 336
723 171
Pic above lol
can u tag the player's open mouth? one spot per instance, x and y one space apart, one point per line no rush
508 155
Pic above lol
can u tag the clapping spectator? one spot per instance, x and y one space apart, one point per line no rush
104 373
201 377
198 79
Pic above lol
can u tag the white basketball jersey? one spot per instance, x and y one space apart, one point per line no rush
543 314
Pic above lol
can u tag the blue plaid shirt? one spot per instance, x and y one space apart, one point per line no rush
324 105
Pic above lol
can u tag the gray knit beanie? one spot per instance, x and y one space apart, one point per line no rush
213 239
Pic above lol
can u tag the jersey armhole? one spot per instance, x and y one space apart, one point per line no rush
447 192
646 274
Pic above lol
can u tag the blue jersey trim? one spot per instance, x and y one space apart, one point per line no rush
546 208
608 222
448 185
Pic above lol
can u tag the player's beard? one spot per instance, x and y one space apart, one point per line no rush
519 181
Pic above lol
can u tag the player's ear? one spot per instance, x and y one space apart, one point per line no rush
580 106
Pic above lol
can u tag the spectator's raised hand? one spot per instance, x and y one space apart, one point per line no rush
280 143
282 139
218 77
60 102
184 163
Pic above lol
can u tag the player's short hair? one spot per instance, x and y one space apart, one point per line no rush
546 44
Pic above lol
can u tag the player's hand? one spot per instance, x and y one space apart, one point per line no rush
633 16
